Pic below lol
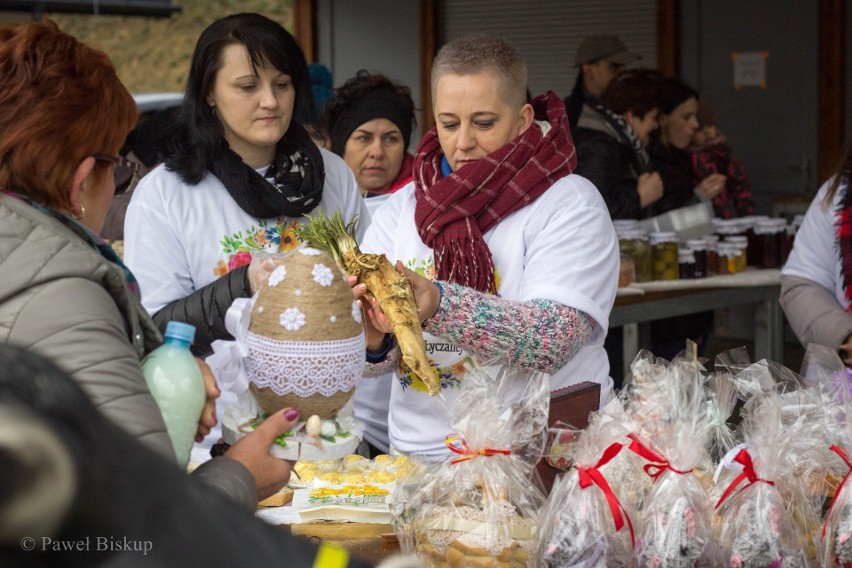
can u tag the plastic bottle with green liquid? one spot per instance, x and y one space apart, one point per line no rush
177 385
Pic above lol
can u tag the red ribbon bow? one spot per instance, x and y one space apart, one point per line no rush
592 475
660 464
743 458
845 457
458 445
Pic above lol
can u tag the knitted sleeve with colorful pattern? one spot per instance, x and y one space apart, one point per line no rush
539 335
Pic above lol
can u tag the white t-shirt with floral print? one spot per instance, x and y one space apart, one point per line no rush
180 237
561 248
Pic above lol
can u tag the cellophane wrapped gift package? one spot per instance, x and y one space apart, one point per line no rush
831 382
767 502
480 506
586 521
674 426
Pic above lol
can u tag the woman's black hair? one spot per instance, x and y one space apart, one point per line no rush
201 137
634 90
674 93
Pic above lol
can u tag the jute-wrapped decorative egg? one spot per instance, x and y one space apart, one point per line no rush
305 339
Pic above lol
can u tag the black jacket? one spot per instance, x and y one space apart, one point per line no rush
606 158
675 167
205 309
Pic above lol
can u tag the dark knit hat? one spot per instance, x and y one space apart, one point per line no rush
606 47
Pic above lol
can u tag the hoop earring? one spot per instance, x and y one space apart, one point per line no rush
77 216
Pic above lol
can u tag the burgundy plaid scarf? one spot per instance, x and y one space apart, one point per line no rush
844 232
453 212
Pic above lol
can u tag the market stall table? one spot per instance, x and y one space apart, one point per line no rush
640 303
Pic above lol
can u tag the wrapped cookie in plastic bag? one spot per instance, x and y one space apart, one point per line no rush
761 479
675 525
480 506
586 521
826 373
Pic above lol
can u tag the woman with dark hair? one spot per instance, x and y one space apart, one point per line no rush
668 150
64 292
611 138
370 121
816 281
241 175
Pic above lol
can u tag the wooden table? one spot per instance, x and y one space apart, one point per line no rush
648 301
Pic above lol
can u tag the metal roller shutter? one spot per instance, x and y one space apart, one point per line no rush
548 32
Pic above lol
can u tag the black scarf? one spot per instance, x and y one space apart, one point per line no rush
617 121
293 183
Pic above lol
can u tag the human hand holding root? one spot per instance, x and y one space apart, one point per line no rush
385 286
426 296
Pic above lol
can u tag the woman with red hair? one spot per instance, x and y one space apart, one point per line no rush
64 293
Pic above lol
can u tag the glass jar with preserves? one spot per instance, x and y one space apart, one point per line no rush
634 242
686 263
748 225
664 255
771 234
742 256
726 257
699 251
711 241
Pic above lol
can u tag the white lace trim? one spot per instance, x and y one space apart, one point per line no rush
304 368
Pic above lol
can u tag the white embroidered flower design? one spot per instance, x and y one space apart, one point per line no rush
297 292
308 251
292 319
260 310
322 275
356 312
277 276
333 319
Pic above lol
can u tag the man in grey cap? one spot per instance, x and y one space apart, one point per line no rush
600 58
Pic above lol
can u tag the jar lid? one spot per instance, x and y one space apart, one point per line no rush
727 226
727 250
696 244
739 240
633 235
685 255
663 237
770 226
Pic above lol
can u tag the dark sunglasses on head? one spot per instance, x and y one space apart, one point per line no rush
126 173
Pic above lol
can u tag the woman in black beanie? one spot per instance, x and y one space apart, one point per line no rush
370 121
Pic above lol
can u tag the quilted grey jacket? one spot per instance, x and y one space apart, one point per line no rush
63 300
